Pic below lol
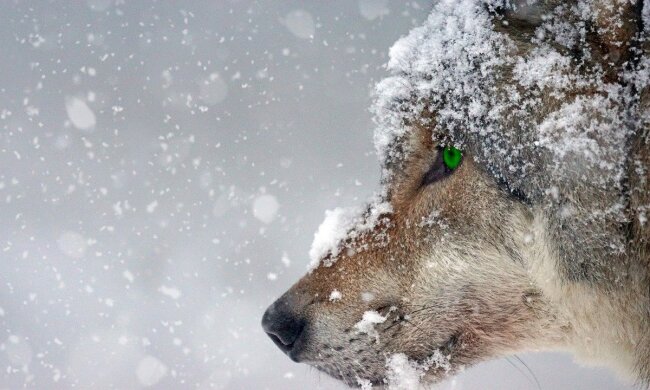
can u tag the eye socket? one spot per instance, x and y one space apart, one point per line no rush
448 159
452 157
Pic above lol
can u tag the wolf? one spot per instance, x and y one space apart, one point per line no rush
512 214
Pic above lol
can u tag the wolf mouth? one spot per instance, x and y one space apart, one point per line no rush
356 380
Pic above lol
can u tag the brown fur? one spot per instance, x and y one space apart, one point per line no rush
467 268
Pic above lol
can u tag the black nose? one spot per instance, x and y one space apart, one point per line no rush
284 327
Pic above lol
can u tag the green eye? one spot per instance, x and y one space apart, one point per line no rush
452 157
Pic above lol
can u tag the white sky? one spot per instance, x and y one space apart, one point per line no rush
164 169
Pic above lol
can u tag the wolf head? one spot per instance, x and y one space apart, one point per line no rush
453 264
439 279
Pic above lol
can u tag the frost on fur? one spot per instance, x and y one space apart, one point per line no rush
537 119
451 68
443 64
335 295
368 322
343 224
406 374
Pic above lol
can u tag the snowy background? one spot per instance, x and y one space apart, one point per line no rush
164 167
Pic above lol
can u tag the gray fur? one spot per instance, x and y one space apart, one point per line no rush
532 243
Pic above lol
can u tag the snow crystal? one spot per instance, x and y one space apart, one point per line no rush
300 23
365 384
285 259
335 295
265 207
128 275
341 224
18 350
172 292
331 232
81 116
368 322
572 131
99 5
150 371
403 374
213 89
72 244
151 207
406 374
543 68
373 9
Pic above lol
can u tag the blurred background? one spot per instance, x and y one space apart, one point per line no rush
163 168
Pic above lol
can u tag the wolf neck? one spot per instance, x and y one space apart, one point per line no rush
607 322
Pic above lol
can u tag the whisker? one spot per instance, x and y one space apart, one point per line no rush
539 387
534 380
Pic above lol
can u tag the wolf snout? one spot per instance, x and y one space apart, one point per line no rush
284 326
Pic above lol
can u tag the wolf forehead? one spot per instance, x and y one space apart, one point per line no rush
523 94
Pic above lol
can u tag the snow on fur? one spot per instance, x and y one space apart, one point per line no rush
335 295
406 374
443 63
454 68
368 322
538 119
343 224
541 119
545 122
